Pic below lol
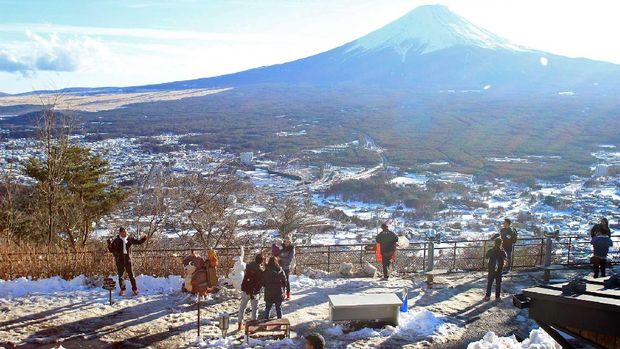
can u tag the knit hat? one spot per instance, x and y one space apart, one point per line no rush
317 341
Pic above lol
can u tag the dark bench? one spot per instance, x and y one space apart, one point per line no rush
275 325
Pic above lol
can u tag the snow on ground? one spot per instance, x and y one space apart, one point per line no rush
538 339
410 179
75 313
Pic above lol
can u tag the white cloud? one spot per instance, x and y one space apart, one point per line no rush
148 33
50 53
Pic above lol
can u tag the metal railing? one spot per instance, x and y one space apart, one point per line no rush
458 255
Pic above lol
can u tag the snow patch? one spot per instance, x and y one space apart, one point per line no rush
26 286
427 29
544 61
538 339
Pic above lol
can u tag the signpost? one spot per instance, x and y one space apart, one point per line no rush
198 307
109 284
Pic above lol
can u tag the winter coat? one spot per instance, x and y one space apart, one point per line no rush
252 279
509 237
116 246
599 229
287 255
601 245
388 241
274 281
275 250
496 257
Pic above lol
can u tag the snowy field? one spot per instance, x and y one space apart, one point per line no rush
74 314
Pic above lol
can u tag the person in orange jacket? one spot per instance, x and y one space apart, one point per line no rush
212 263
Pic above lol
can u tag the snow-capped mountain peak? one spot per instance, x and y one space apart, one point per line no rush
426 29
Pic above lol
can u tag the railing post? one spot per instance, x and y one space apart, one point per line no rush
548 252
548 248
454 257
570 240
361 255
542 251
431 256
328 258
484 251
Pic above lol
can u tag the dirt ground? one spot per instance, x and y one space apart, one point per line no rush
83 319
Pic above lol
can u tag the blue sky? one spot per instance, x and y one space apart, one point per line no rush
56 44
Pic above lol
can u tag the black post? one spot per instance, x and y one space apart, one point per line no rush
198 304
110 291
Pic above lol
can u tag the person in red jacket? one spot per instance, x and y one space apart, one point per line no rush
121 250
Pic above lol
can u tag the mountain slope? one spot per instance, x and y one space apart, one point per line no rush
432 49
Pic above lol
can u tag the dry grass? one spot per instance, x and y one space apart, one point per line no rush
93 103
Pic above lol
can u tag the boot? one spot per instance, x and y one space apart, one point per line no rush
135 291
288 296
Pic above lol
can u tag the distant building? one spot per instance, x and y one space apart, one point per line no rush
247 158
601 170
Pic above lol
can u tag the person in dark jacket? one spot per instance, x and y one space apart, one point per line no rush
496 256
509 237
121 250
601 244
388 240
287 259
601 228
251 286
274 281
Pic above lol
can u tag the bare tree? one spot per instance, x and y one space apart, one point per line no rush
54 137
10 215
289 214
150 205
210 205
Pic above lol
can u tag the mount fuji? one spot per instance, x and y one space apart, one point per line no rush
431 49
428 50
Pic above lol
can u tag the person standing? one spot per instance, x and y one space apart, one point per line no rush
387 240
251 286
600 244
496 256
287 258
601 228
274 281
121 250
509 238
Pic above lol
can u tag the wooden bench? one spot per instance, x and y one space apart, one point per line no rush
365 307
275 325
